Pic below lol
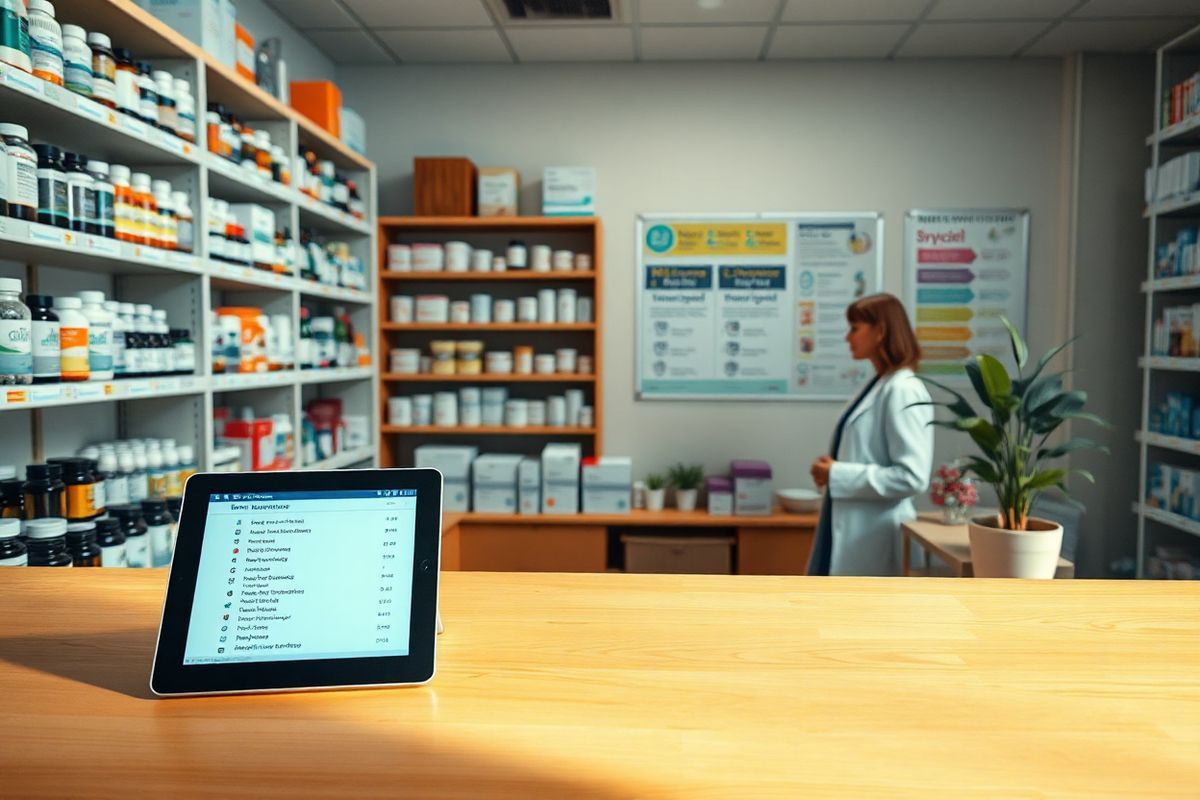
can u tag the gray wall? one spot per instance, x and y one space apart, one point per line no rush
739 137
1110 264
304 60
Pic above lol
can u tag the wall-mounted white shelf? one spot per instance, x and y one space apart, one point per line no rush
1170 364
1177 521
1183 206
1181 133
56 262
1177 443
1181 284
347 458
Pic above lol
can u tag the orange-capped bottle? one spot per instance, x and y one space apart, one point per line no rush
145 211
124 217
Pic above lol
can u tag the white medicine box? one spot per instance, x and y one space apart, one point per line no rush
560 478
259 223
569 191
208 23
494 483
607 485
498 189
751 487
529 486
454 462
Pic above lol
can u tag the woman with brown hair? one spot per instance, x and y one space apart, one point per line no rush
882 450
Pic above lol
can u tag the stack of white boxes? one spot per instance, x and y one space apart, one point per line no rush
494 483
1177 177
259 223
569 191
208 23
454 462
529 486
560 478
607 485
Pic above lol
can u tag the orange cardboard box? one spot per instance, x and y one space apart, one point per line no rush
245 53
320 101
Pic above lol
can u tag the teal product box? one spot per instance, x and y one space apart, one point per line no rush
569 191
529 486
607 485
454 462
494 483
353 130
208 23
560 478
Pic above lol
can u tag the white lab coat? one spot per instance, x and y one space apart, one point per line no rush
884 459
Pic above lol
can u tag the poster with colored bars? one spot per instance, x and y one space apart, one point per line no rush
752 306
964 269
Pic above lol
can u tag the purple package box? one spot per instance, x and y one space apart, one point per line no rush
751 487
720 495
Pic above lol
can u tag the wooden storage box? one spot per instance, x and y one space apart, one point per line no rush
320 101
694 555
444 187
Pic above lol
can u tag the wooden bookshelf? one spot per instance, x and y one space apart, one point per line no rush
579 234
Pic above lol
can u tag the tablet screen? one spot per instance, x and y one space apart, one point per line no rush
288 576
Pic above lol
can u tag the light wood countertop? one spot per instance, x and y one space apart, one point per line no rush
617 686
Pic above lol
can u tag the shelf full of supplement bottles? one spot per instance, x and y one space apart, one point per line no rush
171 183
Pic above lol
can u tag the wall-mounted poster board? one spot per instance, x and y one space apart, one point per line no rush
752 306
963 269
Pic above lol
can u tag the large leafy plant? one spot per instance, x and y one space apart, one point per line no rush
1023 412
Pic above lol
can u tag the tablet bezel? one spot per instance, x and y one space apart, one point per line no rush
171 677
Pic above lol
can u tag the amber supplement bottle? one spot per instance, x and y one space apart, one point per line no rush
81 485
13 552
137 543
111 541
43 493
81 544
47 542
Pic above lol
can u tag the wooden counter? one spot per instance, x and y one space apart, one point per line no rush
772 544
620 686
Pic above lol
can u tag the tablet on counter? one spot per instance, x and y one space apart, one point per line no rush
291 581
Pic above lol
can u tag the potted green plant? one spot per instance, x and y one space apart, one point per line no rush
1022 413
656 492
686 479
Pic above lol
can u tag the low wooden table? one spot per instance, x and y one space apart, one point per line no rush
624 686
775 544
951 544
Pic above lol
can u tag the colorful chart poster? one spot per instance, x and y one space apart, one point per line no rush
964 269
752 307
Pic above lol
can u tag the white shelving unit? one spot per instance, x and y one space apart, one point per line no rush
42 421
1176 61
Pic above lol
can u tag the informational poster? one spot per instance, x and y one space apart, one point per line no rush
964 269
752 306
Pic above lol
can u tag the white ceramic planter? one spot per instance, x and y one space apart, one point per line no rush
685 499
656 499
999 553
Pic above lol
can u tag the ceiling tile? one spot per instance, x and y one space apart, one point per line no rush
853 10
313 13
425 47
835 41
572 44
676 11
1001 9
1075 36
969 39
721 43
420 13
349 47
1140 8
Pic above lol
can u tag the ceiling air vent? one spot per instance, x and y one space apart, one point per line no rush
559 10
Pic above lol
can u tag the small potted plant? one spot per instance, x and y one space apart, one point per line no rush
686 480
656 492
1020 414
954 492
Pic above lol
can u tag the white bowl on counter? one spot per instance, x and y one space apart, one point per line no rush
799 501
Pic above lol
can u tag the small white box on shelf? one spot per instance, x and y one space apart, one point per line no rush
494 483
607 485
358 431
208 23
569 191
529 486
560 478
751 487
497 195
454 462
354 130
259 223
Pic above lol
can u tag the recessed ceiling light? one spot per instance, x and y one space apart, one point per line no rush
710 5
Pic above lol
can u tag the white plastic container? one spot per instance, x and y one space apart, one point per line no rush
400 411
567 305
574 399
547 307
539 258
470 415
45 42
527 309
401 308
498 362
499 264
564 360
536 411
405 360
544 364
399 258
427 258
583 309
563 260
100 325
516 413
583 262
422 410
583 365
433 308
74 336
458 257
492 406
445 410
481 308
481 261
460 312
504 311
587 417
556 411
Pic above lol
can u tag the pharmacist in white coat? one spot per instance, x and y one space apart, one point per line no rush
882 450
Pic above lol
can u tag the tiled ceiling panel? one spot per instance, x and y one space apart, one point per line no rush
349 47
1106 36
1000 9
456 47
419 13
835 41
1140 8
572 44
314 13
853 10
725 43
677 11
969 39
